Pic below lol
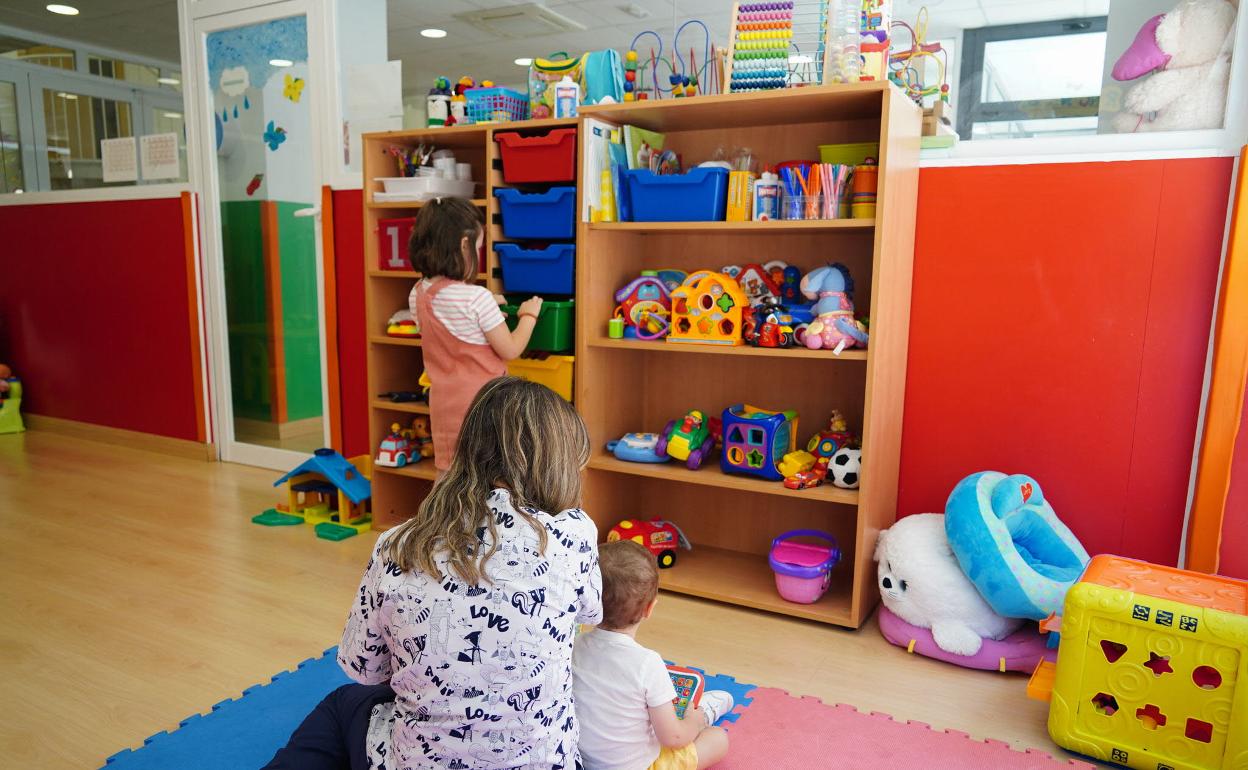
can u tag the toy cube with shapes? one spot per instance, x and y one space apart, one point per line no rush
707 309
1152 670
756 440
328 489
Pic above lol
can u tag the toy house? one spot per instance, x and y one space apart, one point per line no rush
1152 670
707 309
756 440
327 489
757 284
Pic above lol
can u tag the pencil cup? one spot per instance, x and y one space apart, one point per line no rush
801 207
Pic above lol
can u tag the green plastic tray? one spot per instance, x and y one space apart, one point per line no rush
553 333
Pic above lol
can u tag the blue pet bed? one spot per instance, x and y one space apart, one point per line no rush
248 731
1011 544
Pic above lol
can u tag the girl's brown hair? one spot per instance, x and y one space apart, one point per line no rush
437 246
517 435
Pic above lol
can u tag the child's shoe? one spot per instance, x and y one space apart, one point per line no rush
715 704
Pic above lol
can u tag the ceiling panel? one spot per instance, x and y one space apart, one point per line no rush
144 27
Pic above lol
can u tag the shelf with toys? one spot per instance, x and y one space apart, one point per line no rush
741 298
394 355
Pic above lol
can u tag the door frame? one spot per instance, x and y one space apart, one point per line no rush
199 18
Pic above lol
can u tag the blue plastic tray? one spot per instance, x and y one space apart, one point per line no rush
537 271
545 215
701 195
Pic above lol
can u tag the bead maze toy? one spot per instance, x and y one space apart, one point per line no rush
662 538
683 80
707 309
328 491
1152 669
905 65
756 440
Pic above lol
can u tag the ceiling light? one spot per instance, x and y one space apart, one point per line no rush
168 81
281 62
800 58
174 115
524 61
70 97
433 32
63 10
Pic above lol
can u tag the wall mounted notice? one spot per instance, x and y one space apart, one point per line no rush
119 159
158 156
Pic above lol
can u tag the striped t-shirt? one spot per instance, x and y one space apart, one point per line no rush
467 310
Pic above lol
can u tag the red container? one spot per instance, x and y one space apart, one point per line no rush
548 158
392 235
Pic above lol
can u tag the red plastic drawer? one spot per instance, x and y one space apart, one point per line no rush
548 158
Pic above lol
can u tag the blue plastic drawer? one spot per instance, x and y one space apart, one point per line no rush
545 215
700 195
537 271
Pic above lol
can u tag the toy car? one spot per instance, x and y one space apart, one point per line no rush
396 450
770 325
637 448
692 439
662 538
809 479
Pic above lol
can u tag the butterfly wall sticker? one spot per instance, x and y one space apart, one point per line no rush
294 89
274 136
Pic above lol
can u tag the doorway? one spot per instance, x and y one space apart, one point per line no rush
258 143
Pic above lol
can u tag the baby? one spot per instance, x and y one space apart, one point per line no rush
622 690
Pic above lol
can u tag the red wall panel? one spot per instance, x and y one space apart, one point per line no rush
94 313
352 364
1058 328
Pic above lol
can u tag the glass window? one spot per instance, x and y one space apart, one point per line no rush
31 52
118 69
11 179
167 121
75 124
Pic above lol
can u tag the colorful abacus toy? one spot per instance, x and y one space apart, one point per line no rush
761 37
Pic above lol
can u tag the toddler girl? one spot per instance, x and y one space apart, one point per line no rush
465 340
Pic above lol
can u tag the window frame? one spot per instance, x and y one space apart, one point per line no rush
974 41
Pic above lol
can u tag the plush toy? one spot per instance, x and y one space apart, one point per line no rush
832 288
1188 52
5 374
921 583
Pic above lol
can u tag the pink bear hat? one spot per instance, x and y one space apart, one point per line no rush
1143 55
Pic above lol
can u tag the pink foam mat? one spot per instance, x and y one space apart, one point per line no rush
780 732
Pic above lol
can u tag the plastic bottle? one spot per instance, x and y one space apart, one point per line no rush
846 57
766 197
567 97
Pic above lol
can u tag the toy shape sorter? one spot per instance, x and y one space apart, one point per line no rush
1152 670
707 308
756 440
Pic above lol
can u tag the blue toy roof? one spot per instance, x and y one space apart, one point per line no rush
338 471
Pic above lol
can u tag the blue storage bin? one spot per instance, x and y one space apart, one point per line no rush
537 271
701 195
543 215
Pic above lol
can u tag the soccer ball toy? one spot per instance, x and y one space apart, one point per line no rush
845 468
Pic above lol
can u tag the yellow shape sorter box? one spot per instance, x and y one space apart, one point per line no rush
1152 671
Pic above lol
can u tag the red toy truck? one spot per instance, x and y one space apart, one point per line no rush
663 538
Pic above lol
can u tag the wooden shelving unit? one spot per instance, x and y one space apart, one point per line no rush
396 364
625 385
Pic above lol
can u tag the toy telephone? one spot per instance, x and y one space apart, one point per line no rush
689 685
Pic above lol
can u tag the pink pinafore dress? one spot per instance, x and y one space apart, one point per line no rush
457 370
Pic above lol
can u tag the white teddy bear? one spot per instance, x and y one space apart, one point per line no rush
1188 52
921 583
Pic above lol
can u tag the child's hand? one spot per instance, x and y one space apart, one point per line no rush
531 306
500 299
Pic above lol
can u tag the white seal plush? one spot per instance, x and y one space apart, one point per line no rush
921 583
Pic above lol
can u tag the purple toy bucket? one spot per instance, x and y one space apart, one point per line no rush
803 571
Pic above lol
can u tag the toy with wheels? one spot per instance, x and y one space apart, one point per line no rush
637 448
397 449
662 538
1011 544
692 439
803 570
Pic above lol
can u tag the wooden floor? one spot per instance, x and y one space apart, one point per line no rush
135 592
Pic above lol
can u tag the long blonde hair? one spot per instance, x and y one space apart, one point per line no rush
517 435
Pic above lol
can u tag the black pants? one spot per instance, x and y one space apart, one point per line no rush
332 737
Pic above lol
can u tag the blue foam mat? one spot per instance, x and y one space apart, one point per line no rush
246 732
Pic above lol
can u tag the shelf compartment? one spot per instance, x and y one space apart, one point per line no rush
410 275
421 470
710 475
482 202
746 579
726 350
773 226
411 407
378 339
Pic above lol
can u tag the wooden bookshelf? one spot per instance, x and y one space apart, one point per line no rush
396 363
628 385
